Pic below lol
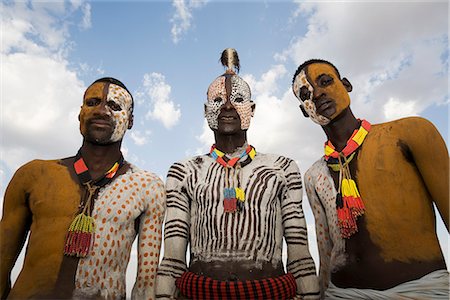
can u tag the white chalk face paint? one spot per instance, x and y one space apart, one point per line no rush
240 98
121 117
308 104
216 97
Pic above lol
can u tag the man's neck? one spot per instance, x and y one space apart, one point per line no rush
229 143
99 158
340 129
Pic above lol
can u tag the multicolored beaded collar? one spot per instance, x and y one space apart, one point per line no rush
80 235
349 204
234 195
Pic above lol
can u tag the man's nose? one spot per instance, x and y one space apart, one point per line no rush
317 94
227 105
102 109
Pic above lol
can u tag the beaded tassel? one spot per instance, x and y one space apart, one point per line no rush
349 205
80 235
233 195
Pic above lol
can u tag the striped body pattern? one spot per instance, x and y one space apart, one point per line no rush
272 210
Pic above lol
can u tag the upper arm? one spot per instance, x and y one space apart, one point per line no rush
15 223
431 158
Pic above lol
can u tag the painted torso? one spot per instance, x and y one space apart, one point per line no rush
251 238
133 200
396 234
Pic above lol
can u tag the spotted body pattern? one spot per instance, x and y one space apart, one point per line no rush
136 196
120 96
302 81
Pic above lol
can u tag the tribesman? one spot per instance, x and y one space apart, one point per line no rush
233 206
84 212
372 195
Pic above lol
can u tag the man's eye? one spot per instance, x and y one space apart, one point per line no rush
114 106
305 94
217 100
92 102
239 100
326 80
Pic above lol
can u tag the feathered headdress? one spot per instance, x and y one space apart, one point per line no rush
230 60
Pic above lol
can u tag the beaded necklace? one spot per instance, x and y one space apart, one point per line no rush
349 204
234 195
80 235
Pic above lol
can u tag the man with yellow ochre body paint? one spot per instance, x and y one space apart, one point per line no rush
84 212
372 195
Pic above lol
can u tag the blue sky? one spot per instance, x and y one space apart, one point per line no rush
167 53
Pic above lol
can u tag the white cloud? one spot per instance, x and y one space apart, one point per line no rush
399 55
86 21
40 95
182 18
162 108
267 84
395 109
140 138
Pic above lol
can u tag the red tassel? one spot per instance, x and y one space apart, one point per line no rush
229 205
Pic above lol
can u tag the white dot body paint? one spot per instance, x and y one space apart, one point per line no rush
122 117
239 90
309 106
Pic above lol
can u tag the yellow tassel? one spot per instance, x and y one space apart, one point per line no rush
353 185
240 194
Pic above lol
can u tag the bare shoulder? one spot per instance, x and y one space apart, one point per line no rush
318 169
38 166
407 125
147 178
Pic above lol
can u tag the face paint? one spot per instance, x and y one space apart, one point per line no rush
327 96
308 104
106 113
123 99
240 98
217 95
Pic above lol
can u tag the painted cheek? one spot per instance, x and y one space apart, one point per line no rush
85 112
212 111
240 89
212 114
343 100
121 121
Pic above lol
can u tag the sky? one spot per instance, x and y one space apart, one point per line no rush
395 54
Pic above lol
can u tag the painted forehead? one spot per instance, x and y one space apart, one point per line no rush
95 91
115 93
313 71
239 89
217 89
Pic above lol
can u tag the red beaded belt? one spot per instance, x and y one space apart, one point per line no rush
195 286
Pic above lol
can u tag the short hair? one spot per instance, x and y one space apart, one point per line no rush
116 82
313 61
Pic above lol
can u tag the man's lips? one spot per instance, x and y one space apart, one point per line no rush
323 105
100 123
228 118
